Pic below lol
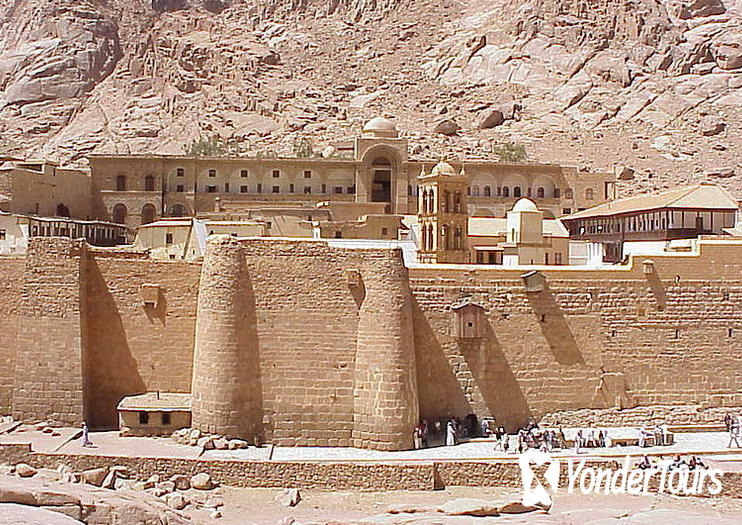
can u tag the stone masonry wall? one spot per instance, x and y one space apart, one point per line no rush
12 270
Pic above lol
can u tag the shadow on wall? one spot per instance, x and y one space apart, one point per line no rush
496 380
658 290
110 370
253 376
555 328
440 394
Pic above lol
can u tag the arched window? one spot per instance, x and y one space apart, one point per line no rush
516 191
148 213
431 238
475 191
431 201
589 194
540 193
568 194
119 214
445 203
446 237
457 202
487 191
505 191
121 183
177 210
149 183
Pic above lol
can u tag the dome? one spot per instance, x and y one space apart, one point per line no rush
443 168
525 204
380 127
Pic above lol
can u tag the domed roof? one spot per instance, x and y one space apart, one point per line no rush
380 127
525 204
443 168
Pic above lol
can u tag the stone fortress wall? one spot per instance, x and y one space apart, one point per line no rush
331 346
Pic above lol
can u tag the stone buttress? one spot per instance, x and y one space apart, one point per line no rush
225 394
386 402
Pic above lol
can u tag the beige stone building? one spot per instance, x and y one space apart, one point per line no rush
375 169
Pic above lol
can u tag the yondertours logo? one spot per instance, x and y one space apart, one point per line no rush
593 479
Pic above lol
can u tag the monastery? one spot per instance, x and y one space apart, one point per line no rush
321 339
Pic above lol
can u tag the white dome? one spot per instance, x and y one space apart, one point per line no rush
380 127
444 168
525 204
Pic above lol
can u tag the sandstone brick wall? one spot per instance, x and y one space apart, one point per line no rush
12 270
50 333
134 348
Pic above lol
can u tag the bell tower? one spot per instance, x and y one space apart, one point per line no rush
443 215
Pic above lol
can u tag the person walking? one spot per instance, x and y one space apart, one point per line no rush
450 434
85 437
734 434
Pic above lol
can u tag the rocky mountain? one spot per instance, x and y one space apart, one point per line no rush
650 88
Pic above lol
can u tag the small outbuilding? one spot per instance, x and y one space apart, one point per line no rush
154 414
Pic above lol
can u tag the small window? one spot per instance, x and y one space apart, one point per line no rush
260 188
180 188
385 231
172 256
243 189
212 173
2 235
339 190
338 234
568 194
226 187
566 211
351 190
557 193
276 174
243 174
307 174
210 189
168 238
324 188
307 189
276 189
166 418
144 418
180 172
291 188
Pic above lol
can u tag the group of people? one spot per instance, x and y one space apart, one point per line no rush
440 432
660 435
678 463
734 427
589 438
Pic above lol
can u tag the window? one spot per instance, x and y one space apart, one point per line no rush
243 174
291 188
385 231
226 187
307 189
276 189
566 211
487 191
324 188
179 172
2 235
338 190
568 194
212 173
210 189
338 234
260 188
589 194
180 188
351 190
168 238
121 183
166 418
149 183
475 191
557 258
276 174
516 191
243 189
409 190
540 193
307 174
143 418
557 193
505 191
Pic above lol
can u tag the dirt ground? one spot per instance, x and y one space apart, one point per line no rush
258 506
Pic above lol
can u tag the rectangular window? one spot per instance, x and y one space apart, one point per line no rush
168 238
339 190
212 173
226 187
351 190
307 174
276 189
276 174
291 188
324 188
180 188
166 418
260 188
243 189
180 172
385 231
2 235
143 418
566 211
210 189
243 174
557 193
307 189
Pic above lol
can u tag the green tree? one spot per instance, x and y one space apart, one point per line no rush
213 146
510 152
303 147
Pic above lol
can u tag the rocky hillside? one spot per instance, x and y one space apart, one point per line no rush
651 88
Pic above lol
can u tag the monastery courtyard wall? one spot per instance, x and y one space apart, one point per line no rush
349 347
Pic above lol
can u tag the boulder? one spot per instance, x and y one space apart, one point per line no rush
625 173
518 508
194 434
711 125
166 487
720 173
176 501
182 482
221 444
490 118
447 127
202 481
22 514
237 443
206 443
469 507
95 476
25 470
289 497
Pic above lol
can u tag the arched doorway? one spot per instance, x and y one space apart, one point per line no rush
119 214
381 185
148 214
